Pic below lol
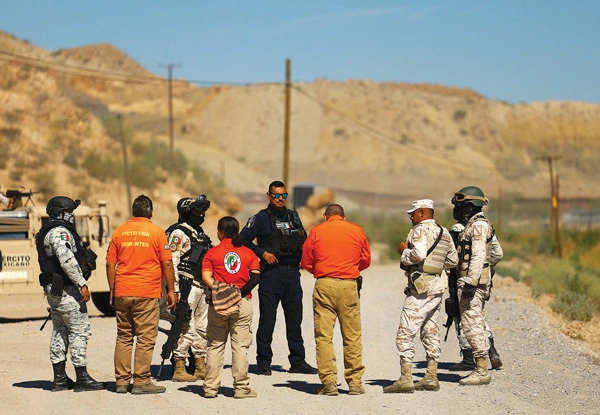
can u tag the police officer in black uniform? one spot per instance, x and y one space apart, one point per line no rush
280 235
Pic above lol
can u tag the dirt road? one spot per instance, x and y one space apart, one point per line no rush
543 372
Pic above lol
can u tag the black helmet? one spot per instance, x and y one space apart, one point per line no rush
187 204
470 194
58 204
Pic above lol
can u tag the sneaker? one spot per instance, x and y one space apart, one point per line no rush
147 389
304 368
356 390
121 388
245 393
328 389
264 370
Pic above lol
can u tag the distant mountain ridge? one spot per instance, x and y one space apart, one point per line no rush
414 140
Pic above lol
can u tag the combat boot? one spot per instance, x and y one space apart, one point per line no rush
494 356
430 381
480 376
404 384
85 382
61 381
200 371
180 374
467 362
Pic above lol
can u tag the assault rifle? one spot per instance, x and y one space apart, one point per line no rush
183 314
17 196
451 303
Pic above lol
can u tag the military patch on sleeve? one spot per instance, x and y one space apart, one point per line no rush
417 235
174 244
251 221
477 232
64 236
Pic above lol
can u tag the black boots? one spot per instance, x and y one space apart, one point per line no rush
494 356
61 381
467 362
85 382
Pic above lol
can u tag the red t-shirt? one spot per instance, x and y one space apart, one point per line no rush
138 247
230 264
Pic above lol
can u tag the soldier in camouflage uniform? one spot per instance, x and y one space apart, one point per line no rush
467 362
426 253
62 257
189 243
475 246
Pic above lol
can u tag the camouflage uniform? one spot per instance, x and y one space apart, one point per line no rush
421 310
496 255
194 333
71 325
474 282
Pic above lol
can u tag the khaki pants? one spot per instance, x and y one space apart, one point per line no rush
239 327
136 317
337 299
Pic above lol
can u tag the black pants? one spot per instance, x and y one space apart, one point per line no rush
280 285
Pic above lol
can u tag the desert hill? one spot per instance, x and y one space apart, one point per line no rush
382 140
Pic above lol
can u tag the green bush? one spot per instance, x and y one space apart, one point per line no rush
573 306
102 167
390 230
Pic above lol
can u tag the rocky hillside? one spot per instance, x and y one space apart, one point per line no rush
382 140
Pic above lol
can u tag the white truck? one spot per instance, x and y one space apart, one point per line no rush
19 270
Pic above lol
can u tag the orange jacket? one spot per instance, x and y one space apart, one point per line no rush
336 248
137 248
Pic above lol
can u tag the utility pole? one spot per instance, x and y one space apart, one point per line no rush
554 202
125 162
286 128
170 69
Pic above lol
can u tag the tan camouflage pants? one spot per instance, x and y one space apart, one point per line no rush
419 313
471 301
194 333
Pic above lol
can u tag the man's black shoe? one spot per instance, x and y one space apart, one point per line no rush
263 370
303 368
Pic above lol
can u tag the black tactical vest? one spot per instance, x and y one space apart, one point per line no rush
51 265
191 260
286 237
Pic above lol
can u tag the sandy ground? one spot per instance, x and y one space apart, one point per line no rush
544 371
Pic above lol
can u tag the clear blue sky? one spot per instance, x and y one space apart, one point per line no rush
510 50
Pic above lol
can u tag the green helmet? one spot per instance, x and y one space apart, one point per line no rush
470 194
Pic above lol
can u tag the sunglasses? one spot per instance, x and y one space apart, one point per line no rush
278 195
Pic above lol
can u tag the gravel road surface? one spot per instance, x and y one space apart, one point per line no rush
544 371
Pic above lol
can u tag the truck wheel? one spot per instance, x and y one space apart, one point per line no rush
101 301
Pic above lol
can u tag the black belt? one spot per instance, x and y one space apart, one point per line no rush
288 267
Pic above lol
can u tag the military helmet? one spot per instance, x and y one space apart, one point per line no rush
59 204
187 204
470 194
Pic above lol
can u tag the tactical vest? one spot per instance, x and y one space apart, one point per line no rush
285 238
51 265
464 249
434 263
191 261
